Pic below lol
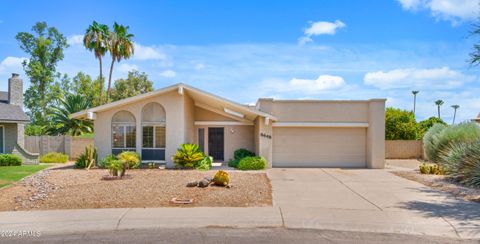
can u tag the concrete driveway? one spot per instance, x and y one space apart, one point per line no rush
369 200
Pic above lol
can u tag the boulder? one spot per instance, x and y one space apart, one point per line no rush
203 183
192 184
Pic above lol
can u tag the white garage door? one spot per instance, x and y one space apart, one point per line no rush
319 147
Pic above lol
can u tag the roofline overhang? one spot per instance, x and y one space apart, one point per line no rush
179 86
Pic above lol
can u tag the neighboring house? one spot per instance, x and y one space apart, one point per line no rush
477 119
287 133
13 120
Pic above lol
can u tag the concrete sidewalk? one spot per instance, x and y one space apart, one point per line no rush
329 199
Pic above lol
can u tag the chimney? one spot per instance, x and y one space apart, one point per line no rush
15 90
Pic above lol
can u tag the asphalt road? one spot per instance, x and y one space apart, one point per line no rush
232 235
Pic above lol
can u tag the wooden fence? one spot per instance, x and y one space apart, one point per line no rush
70 145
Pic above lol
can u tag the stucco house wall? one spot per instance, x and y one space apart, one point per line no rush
11 136
172 102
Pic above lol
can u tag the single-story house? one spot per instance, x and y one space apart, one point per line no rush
287 133
13 120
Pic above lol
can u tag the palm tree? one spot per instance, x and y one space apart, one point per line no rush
61 122
455 107
120 45
96 40
414 101
439 103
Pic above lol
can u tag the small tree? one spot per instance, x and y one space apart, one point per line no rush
400 125
414 101
136 83
439 103
455 107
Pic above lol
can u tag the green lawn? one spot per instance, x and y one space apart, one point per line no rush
10 174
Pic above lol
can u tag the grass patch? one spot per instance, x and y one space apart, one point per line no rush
87 135
10 174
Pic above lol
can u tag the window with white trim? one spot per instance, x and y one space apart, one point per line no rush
123 131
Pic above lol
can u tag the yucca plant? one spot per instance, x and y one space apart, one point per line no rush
188 155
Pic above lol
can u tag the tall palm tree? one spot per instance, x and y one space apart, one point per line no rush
439 103
96 40
120 46
455 107
61 122
414 101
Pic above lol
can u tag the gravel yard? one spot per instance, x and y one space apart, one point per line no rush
441 182
70 189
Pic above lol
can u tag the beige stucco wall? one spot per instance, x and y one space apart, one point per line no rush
263 144
205 115
189 113
11 136
367 111
324 111
235 136
172 102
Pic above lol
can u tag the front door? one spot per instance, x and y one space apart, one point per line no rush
216 143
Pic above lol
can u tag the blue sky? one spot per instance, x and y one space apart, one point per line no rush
243 50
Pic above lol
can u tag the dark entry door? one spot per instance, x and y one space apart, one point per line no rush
215 143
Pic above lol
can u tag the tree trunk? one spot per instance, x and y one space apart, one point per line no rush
454 115
438 107
110 78
101 82
414 104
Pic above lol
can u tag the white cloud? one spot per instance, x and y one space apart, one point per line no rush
454 11
304 40
147 53
168 73
308 86
11 65
437 78
324 28
320 28
75 40
124 68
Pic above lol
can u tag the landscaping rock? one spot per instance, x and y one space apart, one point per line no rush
209 179
203 183
192 184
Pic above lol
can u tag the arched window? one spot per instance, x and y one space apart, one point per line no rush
153 132
123 132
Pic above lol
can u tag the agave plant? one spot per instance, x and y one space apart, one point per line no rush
131 159
62 123
188 155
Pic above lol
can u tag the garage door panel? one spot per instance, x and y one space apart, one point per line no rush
319 147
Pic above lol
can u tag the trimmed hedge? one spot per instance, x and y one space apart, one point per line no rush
252 163
238 155
54 158
10 160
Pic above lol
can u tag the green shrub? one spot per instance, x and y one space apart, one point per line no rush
238 155
433 169
205 163
233 163
81 162
400 125
131 159
116 168
10 160
87 159
221 178
242 153
188 155
440 136
103 164
34 130
424 125
462 162
252 163
54 158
